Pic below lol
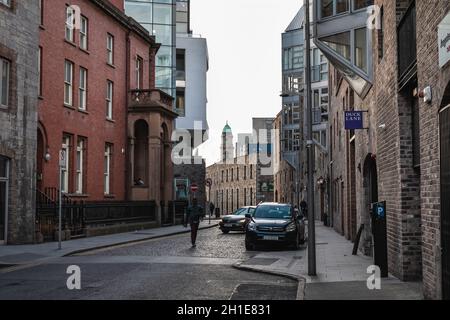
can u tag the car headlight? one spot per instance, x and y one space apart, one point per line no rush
242 221
252 227
292 227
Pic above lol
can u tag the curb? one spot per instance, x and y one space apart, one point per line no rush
135 241
300 280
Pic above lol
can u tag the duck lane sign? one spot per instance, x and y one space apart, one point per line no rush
354 120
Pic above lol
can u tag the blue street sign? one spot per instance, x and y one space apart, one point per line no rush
354 120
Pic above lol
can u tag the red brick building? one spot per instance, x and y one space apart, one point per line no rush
98 104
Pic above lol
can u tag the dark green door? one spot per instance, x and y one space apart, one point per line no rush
4 164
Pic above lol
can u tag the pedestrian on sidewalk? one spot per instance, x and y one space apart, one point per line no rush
194 214
304 207
211 208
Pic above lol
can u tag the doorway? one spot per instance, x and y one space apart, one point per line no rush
4 187
444 127
370 183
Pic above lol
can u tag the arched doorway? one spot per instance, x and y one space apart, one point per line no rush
370 185
140 156
444 128
165 160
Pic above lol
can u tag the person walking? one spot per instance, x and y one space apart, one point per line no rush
194 214
211 208
304 207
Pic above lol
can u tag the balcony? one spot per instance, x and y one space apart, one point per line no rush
143 100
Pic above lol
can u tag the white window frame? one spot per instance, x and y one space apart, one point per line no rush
68 83
109 99
66 168
70 16
139 66
110 48
80 166
82 90
6 2
4 63
84 29
107 169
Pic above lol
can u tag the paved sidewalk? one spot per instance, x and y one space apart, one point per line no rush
11 255
340 275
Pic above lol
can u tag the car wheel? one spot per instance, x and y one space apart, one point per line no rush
225 231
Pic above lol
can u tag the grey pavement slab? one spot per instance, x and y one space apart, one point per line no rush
357 290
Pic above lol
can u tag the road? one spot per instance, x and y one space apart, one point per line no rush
165 268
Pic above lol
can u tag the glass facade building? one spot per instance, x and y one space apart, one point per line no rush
159 18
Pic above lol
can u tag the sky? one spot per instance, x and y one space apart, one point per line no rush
244 77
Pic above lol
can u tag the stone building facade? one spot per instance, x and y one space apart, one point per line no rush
402 158
19 40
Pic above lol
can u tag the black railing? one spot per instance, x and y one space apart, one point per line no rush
78 216
407 45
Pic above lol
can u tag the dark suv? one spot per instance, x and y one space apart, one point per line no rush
275 223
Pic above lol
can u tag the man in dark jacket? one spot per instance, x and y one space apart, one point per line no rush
194 214
211 208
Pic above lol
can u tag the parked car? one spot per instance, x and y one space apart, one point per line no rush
237 221
275 223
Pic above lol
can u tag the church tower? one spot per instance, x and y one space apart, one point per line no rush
227 147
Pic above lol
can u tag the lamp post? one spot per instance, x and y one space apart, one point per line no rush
309 149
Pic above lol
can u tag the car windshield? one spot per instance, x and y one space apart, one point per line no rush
251 211
273 212
240 212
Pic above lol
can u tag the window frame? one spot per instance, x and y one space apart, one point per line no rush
69 26
67 84
110 49
82 100
65 170
3 62
84 35
139 73
109 99
79 169
107 157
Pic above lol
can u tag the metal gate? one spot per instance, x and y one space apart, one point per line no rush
445 199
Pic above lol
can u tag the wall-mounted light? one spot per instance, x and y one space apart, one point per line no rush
47 156
382 126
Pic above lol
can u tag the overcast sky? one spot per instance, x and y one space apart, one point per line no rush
244 78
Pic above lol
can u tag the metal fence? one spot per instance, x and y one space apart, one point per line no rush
78 216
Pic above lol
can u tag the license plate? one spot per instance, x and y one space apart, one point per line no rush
228 225
270 238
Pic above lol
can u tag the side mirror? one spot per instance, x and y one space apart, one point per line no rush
248 216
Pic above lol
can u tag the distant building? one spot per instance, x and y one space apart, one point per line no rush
243 179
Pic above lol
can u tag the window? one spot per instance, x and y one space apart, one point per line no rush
361 4
237 174
139 73
80 166
381 36
68 83
361 49
245 172
6 2
232 174
326 8
180 102
82 89
66 167
40 71
293 58
319 68
340 43
70 17
251 171
109 99
110 49
4 82
84 33
107 168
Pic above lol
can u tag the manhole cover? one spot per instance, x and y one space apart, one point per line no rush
260 261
